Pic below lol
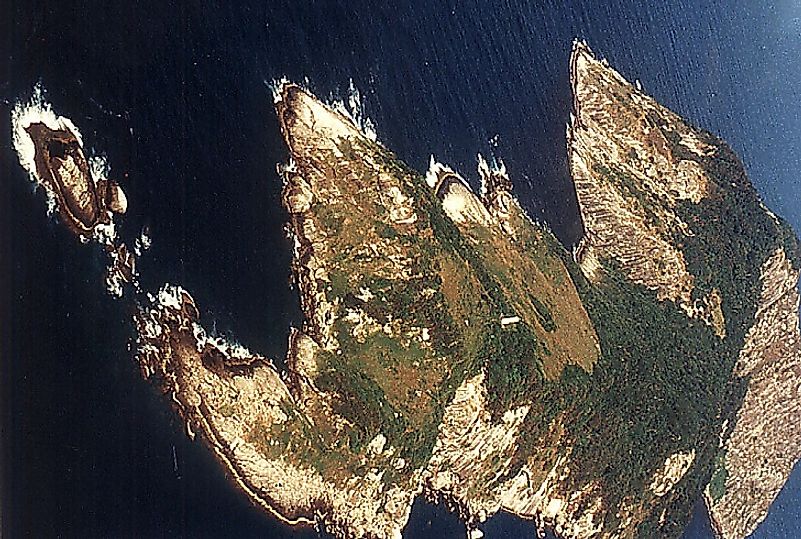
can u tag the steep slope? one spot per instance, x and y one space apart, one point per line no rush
401 309
633 162
672 207
451 346
765 441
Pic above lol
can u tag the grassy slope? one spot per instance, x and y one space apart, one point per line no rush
662 384
390 384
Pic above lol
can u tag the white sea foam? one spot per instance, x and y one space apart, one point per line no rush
171 296
285 169
486 169
38 110
151 329
230 348
35 110
354 109
98 168
483 174
105 233
114 280
276 86
435 169
145 240
494 165
52 204
142 243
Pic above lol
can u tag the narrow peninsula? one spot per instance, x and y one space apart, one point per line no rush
451 347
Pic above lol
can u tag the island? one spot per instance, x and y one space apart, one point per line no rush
451 347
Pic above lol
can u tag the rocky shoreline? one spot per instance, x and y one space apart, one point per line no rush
763 445
450 345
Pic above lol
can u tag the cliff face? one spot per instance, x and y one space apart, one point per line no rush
633 162
270 434
765 442
649 186
451 346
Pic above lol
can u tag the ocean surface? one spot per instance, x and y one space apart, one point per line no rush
175 95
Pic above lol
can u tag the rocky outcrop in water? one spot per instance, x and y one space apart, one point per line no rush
452 347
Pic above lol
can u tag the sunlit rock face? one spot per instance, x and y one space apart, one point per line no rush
50 148
765 442
632 162
452 347
646 182
60 161
78 188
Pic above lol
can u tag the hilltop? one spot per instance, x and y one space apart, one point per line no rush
452 347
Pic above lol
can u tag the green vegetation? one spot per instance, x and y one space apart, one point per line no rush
717 485
511 358
329 217
732 236
649 396
385 231
662 384
389 383
226 410
544 315
361 401
792 247
511 355
416 308
301 441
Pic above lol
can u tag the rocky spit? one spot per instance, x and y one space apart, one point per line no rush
378 404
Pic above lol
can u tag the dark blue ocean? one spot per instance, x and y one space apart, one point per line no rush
174 94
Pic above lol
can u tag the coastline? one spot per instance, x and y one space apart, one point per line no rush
201 373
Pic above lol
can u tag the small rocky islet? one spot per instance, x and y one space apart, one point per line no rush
452 347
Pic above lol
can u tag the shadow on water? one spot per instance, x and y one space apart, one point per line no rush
784 514
505 525
436 521
699 526
433 521
175 97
